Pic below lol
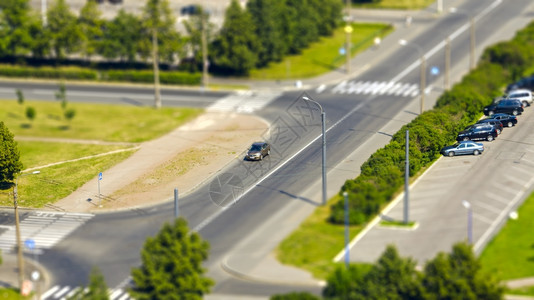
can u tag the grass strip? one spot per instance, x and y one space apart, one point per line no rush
395 4
510 255
322 56
117 123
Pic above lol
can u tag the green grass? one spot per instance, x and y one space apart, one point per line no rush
526 291
315 243
35 154
322 56
120 123
396 4
396 223
11 294
510 255
57 182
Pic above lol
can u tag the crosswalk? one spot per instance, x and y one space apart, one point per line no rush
244 101
390 88
64 292
44 228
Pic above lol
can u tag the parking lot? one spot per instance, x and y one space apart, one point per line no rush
494 184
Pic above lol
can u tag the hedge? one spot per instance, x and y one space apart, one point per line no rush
382 175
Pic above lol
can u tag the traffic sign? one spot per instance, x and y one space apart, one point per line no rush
434 70
100 175
342 51
30 244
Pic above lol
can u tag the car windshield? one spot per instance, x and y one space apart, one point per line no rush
255 147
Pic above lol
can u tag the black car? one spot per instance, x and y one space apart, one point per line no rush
507 106
506 119
258 151
497 123
478 132
524 83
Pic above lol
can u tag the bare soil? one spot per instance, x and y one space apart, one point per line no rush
184 159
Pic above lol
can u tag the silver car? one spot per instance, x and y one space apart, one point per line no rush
462 148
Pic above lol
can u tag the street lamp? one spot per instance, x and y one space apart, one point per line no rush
348 31
347 253
17 226
467 205
471 36
323 117
423 71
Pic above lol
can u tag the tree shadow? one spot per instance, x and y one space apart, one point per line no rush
54 117
25 125
64 127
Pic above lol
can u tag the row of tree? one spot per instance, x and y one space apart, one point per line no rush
265 31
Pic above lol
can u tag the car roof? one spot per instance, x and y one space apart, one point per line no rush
259 143
519 91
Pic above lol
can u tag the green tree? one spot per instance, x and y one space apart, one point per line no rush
194 26
61 95
69 114
267 16
458 276
158 23
15 37
40 43
234 52
97 289
295 296
20 97
121 37
65 34
90 22
10 164
30 113
171 265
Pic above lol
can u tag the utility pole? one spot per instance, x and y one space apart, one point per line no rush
472 43
348 31
157 97
20 258
205 63
447 62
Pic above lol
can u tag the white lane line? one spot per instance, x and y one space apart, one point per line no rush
49 292
488 207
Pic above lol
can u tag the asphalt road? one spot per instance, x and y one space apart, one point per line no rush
352 118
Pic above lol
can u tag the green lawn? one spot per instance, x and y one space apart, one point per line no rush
322 56
510 254
119 123
315 243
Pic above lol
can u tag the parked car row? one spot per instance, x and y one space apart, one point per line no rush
501 113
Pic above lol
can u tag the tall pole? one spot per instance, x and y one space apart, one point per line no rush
467 205
323 117
348 30
157 97
43 12
323 127
20 258
423 82
204 51
347 253
472 43
407 178
447 62
176 211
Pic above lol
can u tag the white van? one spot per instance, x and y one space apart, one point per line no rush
524 95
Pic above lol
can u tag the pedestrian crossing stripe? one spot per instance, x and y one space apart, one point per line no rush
64 292
44 228
244 101
376 88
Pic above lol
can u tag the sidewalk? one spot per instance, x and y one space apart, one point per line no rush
9 273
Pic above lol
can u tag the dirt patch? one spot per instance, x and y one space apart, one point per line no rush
183 159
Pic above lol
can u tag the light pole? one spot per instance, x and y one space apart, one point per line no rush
323 117
423 71
43 12
205 63
17 227
347 253
447 62
467 205
471 36
348 31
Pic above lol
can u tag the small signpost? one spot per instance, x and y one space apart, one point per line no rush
100 176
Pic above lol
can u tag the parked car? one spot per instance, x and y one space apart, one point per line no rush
523 83
498 124
523 95
258 151
462 148
506 119
478 132
507 106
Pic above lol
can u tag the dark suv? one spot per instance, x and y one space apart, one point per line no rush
478 132
498 124
507 106
524 83
506 119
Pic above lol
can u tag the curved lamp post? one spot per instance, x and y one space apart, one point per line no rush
454 10
423 70
323 117
467 205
